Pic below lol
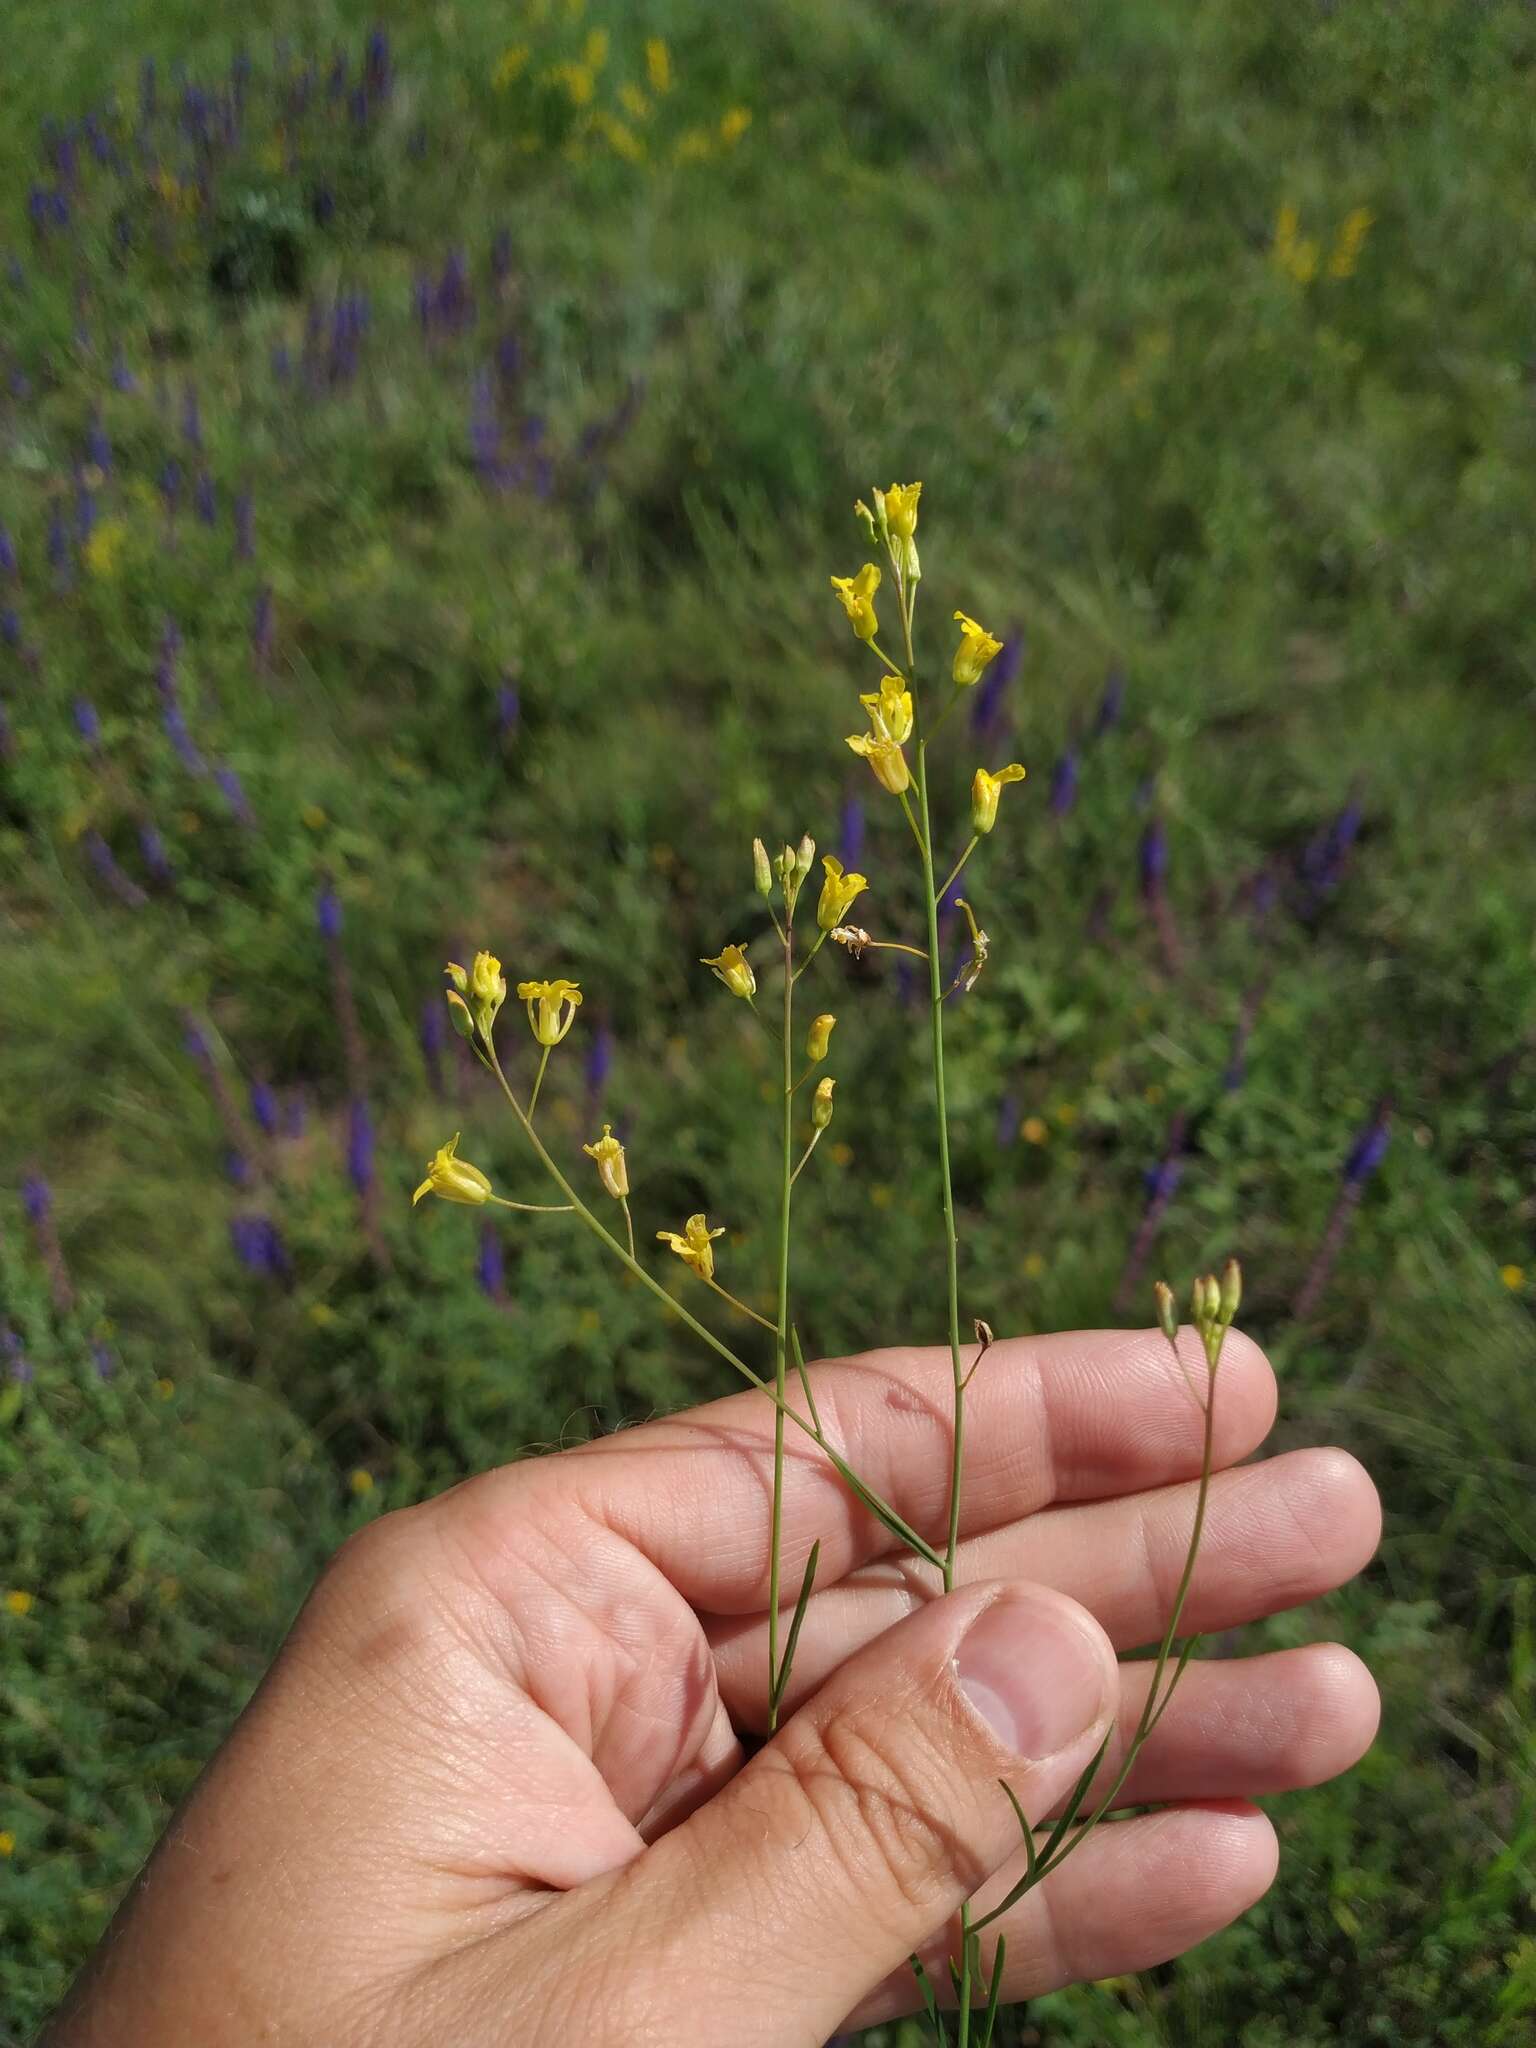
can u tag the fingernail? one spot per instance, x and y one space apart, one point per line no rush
1033 1673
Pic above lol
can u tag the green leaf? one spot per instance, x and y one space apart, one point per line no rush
781 1681
930 2003
995 1992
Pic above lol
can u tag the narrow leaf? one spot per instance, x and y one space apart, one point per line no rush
1025 1829
994 1995
930 2003
1053 1840
781 1682
1178 1672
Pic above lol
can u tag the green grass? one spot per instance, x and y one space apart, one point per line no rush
1024 254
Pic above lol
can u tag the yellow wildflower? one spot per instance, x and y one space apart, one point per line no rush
885 758
594 52
857 597
838 891
977 648
985 791
734 123
361 1482
1356 225
658 64
621 138
819 1037
634 102
1513 1277
485 984
577 80
1034 1130
7 1842
558 1003
899 504
694 1247
733 968
821 1103
453 1179
104 550
510 66
18 1603
612 1170
890 710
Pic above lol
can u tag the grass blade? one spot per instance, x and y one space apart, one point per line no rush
781 1680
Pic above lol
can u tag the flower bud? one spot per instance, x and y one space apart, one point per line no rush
1167 1315
488 986
866 519
1231 1291
821 1103
458 1014
805 853
819 1037
458 977
762 873
612 1169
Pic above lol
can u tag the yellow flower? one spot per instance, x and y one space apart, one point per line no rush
890 710
985 791
899 505
838 891
821 1103
612 1170
694 1247
885 758
103 551
1512 1276
1034 1130
18 1603
693 146
819 1037
558 1003
977 647
658 64
735 970
361 1482
594 52
7 1842
634 102
510 66
857 596
578 82
455 1180
621 138
1357 224
734 123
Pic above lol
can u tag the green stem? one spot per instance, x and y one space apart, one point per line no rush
781 1337
532 1208
804 1156
629 1223
725 1294
538 1083
954 874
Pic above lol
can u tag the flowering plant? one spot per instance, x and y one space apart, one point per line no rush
905 716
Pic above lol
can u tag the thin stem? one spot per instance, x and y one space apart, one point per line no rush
906 805
894 946
781 1335
821 940
894 666
815 1141
629 1223
736 1302
532 1208
538 1083
954 873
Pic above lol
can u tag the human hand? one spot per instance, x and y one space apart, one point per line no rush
494 1788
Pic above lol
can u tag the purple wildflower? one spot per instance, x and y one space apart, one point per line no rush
987 704
36 1199
181 739
18 1366
234 793
58 543
378 72
10 626
205 499
170 485
122 377
191 417
508 708
1369 1148
1364 1157
98 446
328 912
104 861
155 857
434 1040
238 1167
851 830
1111 705
85 511
245 526
87 724
1064 783
360 1144
8 562
599 1062
509 360
293 1115
264 1107
454 303
258 1245
1153 858
491 1265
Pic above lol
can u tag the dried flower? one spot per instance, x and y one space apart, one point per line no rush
612 1169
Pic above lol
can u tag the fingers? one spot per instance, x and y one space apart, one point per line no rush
1276 1534
1080 1416
867 1820
1134 1895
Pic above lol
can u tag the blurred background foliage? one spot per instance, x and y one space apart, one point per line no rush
422 453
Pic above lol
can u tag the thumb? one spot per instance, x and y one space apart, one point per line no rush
852 1836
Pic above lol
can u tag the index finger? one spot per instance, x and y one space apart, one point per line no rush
1079 1416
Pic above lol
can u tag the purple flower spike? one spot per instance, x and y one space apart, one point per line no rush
293 1116
36 1199
1154 859
328 912
155 857
1369 1148
18 1366
87 724
491 1266
234 793
170 485
987 704
195 1039
851 831
599 1063
205 499
10 626
186 747
360 1144
103 860
104 1359
1112 704
191 417
1064 783
8 562
98 447
508 708
85 512
58 543
378 73
238 1167
123 378
264 1108
245 526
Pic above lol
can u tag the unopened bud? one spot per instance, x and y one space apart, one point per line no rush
1167 1315
784 867
762 873
866 519
805 853
819 1037
1231 1291
458 1015
821 1103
